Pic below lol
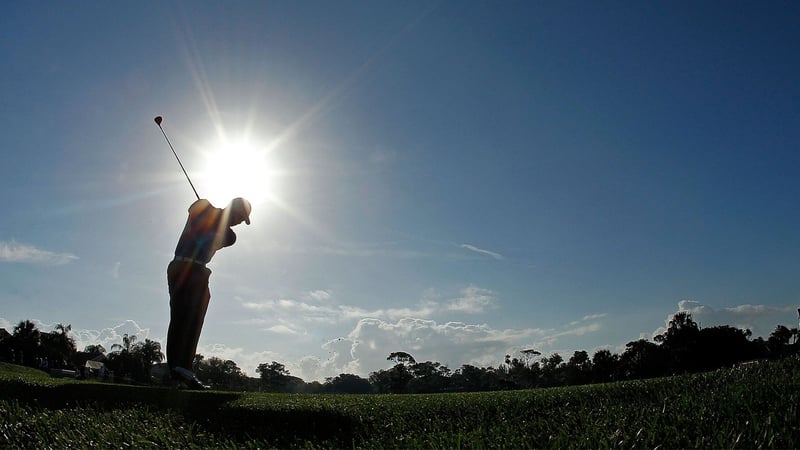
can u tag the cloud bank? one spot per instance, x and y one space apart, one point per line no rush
320 307
372 335
83 337
366 347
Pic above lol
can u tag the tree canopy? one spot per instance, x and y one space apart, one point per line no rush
683 347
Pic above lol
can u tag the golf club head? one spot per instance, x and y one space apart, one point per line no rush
158 120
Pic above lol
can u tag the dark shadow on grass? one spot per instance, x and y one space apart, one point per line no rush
113 396
288 428
214 410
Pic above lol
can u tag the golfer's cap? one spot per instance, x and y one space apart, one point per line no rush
241 207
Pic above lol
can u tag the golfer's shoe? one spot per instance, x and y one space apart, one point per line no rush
188 378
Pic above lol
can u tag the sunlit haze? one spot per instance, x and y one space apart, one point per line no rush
240 168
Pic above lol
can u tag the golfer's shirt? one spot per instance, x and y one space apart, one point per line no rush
206 231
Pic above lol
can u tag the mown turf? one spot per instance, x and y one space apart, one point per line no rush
755 406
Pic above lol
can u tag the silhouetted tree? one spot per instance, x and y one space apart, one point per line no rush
274 376
147 353
220 374
780 343
401 358
604 366
392 381
467 378
683 347
58 347
6 346
347 384
681 343
26 343
314 387
94 351
127 359
643 359
723 346
428 377
552 374
529 354
497 379
521 372
127 342
578 369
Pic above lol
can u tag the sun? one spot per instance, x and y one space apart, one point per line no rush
241 168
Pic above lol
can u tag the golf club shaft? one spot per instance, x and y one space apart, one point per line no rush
179 160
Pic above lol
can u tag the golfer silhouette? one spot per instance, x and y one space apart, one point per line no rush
207 230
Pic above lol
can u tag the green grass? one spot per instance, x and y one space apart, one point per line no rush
755 406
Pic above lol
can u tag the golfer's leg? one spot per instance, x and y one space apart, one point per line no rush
172 340
197 316
180 296
176 335
181 288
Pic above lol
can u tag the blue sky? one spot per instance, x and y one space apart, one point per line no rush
458 180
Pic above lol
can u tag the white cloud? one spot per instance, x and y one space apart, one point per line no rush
320 295
339 360
282 329
594 316
107 337
473 300
322 309
588 318
21 253
580 331
482 251
295 311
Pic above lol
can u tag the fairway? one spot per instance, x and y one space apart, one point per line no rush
753 406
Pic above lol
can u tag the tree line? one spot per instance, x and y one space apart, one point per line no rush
684 347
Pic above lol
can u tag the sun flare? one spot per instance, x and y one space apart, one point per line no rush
239 169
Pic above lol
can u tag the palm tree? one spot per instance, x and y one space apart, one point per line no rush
149 352
127 343
27 342
121 361
57 346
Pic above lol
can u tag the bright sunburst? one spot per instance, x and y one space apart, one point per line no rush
239 169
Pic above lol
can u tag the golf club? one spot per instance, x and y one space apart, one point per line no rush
158 120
